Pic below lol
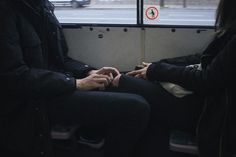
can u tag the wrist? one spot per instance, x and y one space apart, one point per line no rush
78 84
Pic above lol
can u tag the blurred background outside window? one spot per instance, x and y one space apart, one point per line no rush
170 12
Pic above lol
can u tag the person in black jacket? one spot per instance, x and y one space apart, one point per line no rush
194 93
42 86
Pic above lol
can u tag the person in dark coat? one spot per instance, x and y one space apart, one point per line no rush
193 93
42 86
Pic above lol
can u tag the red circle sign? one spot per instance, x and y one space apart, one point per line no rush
152 13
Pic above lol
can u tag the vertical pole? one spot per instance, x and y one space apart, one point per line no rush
184 3
138 12
162 3
142 7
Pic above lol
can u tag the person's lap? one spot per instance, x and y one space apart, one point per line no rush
166 109
95 107
98 108
124 116
167 112
90 106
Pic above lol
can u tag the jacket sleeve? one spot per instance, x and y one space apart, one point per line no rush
77 68
216 76
183 60
16 77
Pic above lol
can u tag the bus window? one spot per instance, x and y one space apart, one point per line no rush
97 12
153 12
180 12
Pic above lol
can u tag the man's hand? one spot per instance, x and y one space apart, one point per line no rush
105 71
116 81
93 81
141 73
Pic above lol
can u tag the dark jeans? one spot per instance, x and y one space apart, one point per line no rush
166 109
125 115
167 113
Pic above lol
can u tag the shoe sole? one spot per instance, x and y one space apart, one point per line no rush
184 148
92 145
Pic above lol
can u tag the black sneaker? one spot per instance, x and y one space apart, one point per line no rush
95 143
183 142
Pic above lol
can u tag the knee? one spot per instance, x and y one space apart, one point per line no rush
139 106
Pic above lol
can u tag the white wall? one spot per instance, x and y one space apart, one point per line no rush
124 50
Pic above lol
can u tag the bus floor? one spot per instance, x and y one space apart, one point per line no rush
151 145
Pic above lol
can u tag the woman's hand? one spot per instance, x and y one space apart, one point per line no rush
141 73
93 81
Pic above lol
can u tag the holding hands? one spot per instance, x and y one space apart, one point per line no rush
108 75
140 73
97 79
105 71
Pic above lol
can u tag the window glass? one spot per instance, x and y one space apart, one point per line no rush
155 12
180 12
96 11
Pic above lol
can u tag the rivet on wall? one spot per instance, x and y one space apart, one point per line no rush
173 30
200 30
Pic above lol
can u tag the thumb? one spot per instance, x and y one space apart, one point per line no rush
116 81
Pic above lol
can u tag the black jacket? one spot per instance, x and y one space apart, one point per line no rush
215 83
34 67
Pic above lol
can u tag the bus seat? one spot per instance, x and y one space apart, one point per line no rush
180 141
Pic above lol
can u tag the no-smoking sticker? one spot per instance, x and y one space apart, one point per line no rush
152 13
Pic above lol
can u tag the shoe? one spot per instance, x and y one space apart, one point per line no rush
183 142
95 143
62 132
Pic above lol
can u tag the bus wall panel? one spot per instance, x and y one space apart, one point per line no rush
126 47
